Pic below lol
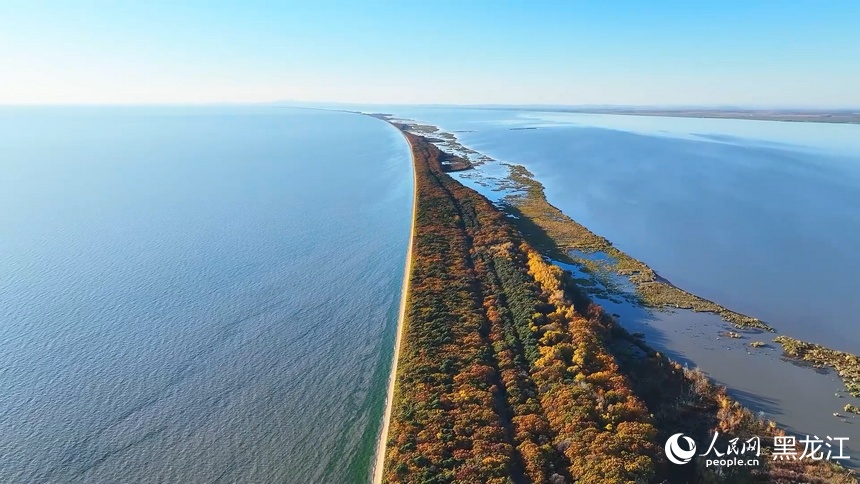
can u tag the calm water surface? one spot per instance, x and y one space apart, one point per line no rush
196 294
763 217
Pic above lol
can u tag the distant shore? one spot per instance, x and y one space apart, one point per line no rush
791 116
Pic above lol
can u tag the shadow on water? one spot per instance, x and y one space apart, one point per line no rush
757 403
800 399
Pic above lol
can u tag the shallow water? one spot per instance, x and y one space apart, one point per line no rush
762 217
798 399
196 294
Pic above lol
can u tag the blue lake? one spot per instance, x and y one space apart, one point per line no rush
197 294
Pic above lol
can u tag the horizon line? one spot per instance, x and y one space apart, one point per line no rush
289 103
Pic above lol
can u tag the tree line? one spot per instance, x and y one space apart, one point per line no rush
509 373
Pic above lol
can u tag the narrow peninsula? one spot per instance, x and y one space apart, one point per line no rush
507 372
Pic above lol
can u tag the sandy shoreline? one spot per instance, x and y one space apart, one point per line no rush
379 463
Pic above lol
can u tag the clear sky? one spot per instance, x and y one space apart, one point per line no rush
750 52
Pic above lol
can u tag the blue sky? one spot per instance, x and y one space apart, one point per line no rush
762 53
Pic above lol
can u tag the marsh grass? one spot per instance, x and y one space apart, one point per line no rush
539 219
567 241
845 364
510 373
561 238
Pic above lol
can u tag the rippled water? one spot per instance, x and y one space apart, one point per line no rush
196 294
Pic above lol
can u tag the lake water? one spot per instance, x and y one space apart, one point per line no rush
197 294
211 294
762 217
